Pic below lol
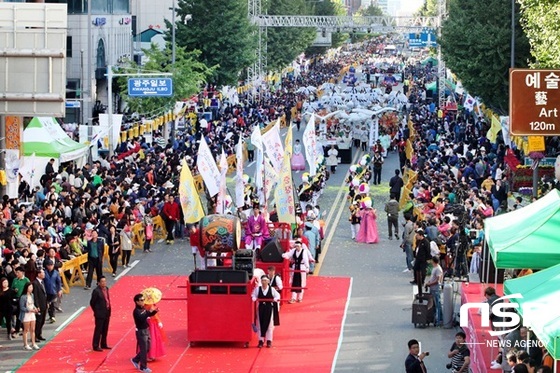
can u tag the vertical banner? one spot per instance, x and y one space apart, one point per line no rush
504 123
116 129
14 126
270 177
188 195
256 140
284 192
221 202
310 144
273 145
207 168
239 187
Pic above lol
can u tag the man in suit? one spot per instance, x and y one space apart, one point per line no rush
40 298
100 303
95 249
414 362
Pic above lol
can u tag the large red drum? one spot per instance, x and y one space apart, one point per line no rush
220 233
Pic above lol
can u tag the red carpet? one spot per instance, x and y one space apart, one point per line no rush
306 340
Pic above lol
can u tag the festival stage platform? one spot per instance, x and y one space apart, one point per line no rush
306 340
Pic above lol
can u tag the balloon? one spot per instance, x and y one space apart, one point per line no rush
363 162
367 203
366 158
355 182
363 188
359 169
320 159
246 179
305 177
353 168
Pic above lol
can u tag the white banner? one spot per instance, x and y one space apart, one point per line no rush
117 121
273 146
256 137
239 187
310 144
221 203
207 168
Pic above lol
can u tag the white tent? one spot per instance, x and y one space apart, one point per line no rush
43 139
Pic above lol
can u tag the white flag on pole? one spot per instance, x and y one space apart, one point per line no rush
273 146
208 168
310 144
239 187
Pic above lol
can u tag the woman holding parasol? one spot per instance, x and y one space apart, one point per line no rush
157 336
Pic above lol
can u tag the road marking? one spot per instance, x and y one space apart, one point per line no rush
70 319
127 270
250 164
341 336
328 224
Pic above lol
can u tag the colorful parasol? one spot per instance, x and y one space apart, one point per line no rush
151 295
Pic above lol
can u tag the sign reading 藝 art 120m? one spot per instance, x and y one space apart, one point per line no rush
534 102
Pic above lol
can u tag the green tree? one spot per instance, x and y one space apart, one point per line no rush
371 11
220 29
286 43
189 75
428 9
475 42
539 19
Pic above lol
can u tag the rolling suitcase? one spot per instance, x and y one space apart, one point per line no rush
423 310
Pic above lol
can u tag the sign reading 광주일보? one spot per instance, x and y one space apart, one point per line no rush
534 102
150 87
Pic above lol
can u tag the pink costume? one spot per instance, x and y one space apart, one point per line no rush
157 338
256 230
368 227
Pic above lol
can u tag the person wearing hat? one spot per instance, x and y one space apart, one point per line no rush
53 287
256 229
267 310
300 259
422 255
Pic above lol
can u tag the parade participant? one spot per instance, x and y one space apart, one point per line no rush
300 260
332 159
396 184
354 219
100 303
377 161
267 310
298 161
256 230
275 279
368 225
157 336
141 316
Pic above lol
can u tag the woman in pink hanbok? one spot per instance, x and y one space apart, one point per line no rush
157 336
298 161
368 225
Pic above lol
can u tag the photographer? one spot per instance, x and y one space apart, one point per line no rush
459 355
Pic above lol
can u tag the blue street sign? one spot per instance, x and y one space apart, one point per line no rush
422 39
150 87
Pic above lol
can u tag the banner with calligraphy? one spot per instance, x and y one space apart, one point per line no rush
273 145
14 127
239 187
208 168
221 202
310 144
270 177
284 192
188 195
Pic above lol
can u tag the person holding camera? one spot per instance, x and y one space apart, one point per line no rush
459 354
414 362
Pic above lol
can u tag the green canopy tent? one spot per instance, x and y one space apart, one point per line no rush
528 237
429 59
43 139
540 292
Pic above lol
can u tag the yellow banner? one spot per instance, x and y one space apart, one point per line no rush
536 144
123 136
188 195
495 127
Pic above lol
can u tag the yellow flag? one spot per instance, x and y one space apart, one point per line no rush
188 195
409 151
495 127
284 192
